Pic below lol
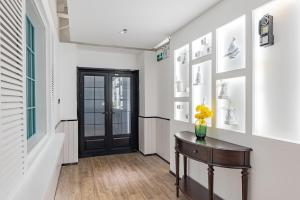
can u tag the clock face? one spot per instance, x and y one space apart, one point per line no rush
264 29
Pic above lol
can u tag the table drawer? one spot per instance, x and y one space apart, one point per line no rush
194 151
229 158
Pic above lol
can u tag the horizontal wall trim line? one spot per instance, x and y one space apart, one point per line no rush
65 120
157 117
68 120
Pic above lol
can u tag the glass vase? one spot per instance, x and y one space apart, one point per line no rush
200 129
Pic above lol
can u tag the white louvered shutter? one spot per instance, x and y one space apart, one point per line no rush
12 96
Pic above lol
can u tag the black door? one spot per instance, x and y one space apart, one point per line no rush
107 111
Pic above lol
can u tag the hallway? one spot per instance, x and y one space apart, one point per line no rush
208 90
117 177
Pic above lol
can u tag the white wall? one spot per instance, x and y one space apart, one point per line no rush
147 101
274 162
72 56
154 97
164 88
155 84
97 58
67 81
277 80
140 62
148 84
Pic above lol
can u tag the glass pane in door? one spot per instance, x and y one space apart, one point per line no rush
94 106
121 107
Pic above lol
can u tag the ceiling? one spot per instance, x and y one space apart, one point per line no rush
148 21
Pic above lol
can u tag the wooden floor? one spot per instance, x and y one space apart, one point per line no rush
117 177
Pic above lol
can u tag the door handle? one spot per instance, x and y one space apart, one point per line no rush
107 113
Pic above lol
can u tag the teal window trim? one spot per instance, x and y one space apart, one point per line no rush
30 79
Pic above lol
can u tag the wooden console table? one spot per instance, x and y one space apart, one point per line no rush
213 152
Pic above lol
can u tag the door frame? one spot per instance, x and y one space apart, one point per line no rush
135 111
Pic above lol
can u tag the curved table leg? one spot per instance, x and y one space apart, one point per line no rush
245 184
177 172
185 166
210 182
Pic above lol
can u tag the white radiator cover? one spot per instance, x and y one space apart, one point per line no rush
147 135
163 138
154 136
70 149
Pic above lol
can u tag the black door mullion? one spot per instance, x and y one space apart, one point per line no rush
109 104
106 109
134 114
81 115
94 106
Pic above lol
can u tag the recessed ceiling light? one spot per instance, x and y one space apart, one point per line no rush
124 31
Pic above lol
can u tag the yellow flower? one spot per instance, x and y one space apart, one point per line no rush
203 112
199 108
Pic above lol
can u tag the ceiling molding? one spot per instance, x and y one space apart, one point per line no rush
111 46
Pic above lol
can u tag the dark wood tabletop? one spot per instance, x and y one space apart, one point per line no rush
190 137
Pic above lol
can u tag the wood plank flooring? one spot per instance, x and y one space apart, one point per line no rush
117 177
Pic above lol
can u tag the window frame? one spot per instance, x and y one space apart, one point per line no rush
30 79
45 32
